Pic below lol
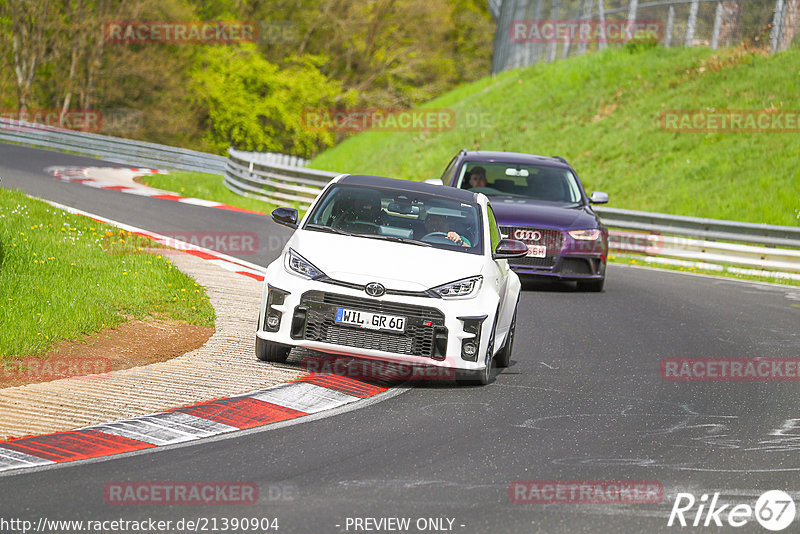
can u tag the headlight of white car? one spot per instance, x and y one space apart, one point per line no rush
295 263
585 235
460 289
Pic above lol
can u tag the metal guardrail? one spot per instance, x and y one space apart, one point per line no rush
703 251
714 229
708 241
275 178
114 149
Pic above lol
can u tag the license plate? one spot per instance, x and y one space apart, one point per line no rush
537 251
370 321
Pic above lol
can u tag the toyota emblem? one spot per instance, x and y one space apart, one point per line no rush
527 235
374 289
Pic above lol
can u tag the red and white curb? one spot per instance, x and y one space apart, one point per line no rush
313 393
229 263
121 179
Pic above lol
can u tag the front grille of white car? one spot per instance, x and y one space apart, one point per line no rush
425 333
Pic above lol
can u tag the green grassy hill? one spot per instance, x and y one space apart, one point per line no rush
601 111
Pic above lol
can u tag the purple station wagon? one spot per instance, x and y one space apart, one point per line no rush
539 200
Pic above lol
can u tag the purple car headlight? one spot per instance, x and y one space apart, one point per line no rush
585 235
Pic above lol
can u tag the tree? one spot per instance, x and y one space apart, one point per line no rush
32 26
252 104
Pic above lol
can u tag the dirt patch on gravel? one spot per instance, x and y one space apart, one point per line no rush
132 344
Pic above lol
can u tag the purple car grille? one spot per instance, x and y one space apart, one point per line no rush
550 238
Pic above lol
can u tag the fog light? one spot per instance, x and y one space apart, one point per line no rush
470 348
275 297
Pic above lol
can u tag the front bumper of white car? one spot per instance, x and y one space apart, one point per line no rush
449 334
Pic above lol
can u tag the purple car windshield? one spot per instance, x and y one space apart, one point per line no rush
544 183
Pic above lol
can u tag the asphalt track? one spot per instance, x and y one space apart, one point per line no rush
583 400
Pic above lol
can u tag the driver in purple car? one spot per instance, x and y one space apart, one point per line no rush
437 222
477 177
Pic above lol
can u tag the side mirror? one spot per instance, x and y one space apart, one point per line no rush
434 181
510 248
598 197
285 216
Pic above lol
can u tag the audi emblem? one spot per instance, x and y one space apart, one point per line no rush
374 289
527 235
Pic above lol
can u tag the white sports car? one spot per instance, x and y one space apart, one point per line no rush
397 271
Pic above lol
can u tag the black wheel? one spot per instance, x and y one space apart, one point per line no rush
266 351
503 358
593 286
480 377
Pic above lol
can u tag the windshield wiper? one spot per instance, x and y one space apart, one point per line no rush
398 239
325 228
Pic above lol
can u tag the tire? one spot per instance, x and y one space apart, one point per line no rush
266 351
503 358
593 286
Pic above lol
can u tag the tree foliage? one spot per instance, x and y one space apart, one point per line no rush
252 104
310 54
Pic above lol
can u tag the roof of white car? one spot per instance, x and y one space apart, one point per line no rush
461 195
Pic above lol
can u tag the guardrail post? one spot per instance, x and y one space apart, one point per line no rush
585 16
632 8
553 45
670 22
717 25
777 27
691 24
601 15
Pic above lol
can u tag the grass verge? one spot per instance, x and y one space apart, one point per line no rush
207 187
602 111
64 276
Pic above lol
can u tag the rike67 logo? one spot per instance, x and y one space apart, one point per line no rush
774 510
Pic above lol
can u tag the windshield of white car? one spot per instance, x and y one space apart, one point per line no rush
400 216
535 182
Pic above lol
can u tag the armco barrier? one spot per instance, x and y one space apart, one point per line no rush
114 149
275 178
762 234
706 240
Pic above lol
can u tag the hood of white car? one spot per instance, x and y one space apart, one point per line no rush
361 260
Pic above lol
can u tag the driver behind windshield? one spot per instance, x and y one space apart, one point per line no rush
477 177
435 223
